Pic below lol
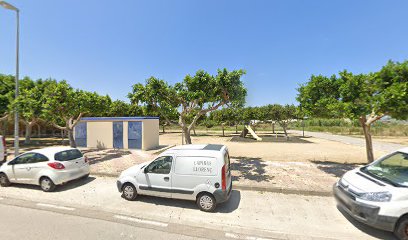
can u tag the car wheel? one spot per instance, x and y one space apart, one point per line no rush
4 181
129 192
206 202
47 185
401 230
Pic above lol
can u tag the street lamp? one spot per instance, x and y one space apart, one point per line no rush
11 7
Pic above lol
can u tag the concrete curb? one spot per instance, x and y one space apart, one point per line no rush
253 188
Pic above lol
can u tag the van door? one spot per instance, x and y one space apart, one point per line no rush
155 178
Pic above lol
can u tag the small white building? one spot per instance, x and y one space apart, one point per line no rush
118 132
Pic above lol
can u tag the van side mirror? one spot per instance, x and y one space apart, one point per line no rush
145 170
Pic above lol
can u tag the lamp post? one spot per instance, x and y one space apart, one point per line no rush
16 121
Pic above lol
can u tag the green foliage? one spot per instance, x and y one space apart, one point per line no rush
352 96
194 97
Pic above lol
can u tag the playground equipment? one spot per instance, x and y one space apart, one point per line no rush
248 129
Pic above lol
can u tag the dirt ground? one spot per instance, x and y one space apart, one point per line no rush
300 164
297 149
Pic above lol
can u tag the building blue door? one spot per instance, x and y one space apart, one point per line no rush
80 134
117 134
135 135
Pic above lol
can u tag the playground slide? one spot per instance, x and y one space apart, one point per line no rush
253 133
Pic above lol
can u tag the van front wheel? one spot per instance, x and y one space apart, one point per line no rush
206 202
401 231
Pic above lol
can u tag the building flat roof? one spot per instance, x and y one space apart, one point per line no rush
116 118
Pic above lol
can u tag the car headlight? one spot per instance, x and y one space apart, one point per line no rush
377 196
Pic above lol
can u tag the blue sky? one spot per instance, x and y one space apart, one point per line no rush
107 46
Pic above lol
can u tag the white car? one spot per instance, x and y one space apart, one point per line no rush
46 167
193 172
3 149
377 194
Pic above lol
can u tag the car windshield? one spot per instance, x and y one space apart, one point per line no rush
392 169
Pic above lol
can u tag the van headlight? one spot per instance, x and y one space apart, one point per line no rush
377 196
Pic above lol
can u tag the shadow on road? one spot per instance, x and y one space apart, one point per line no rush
60 188
272 139
231 205
333 168
250 169
380 234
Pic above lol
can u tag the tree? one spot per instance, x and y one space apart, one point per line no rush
64 106
6 95
30 104
283 115
119 108
196 95
366 97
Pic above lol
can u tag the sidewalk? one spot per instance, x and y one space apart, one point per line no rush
306 178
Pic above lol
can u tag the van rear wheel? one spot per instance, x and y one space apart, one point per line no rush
4 181
129 192
206 202
401 231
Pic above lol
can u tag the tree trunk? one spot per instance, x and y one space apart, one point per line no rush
273 127
223 132
368 140
28 130
38 130
72 142
194 132
187 135
236 128
163 129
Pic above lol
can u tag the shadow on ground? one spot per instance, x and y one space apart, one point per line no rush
227 207
380 234
96 156
250 169
271 138
335 169
61 188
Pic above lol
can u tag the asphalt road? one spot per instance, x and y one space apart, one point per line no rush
32 224
247 215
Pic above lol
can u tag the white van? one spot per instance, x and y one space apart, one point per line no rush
3 149
192 172
377 194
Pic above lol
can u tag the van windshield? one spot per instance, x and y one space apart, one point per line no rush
392 169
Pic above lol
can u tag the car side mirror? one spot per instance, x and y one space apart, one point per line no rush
145 170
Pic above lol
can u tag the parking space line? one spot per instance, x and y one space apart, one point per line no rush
137 220
55 206
236 236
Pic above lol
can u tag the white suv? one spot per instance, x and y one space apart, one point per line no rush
3 149
193 172
46 167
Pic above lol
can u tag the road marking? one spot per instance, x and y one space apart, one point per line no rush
236 236
55 206
137 220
